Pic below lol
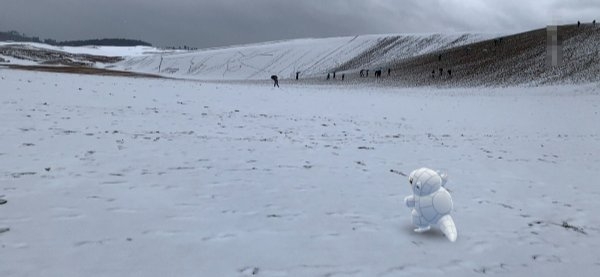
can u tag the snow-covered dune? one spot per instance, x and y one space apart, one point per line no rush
32 54
519 59
311 57
468 59
118 51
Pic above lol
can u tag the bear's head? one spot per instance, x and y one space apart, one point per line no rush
425 181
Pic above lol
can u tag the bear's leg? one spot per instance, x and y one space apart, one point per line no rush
420 222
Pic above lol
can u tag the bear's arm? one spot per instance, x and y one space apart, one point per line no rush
409 201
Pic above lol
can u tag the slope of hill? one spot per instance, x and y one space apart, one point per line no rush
513 60
474 59
121 51
32 54
311 57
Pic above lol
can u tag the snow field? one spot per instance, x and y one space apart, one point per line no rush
110 176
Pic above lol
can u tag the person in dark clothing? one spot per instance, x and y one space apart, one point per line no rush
297 74
328 76
367 73
440 57
275 80
378 73
389 71
343 75
362 73
333 75
578 24
433 74
450 73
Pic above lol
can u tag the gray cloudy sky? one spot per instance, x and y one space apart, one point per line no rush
206 23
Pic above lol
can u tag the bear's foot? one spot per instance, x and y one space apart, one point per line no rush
422 229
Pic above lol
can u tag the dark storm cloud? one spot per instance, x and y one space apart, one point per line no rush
206 23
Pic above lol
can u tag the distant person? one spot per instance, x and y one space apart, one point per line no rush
367 73
328 76
578 24
378 73
450 73
440 57
334 75
275 80
297 74
389 71
433 74
343 75
362 73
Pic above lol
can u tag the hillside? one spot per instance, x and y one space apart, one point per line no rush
513 60
311 57
474 59
30 54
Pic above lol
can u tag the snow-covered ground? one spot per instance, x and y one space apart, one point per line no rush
119 51
311 57
110 176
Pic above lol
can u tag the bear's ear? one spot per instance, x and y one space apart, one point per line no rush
444 177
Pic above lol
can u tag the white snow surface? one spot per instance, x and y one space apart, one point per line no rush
13 60
111 51
311 57
108 176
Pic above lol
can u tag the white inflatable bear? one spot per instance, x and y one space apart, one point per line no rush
431 202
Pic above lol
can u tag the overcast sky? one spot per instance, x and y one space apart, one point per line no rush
206 23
